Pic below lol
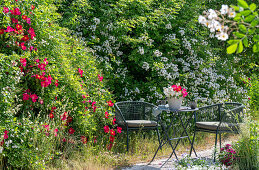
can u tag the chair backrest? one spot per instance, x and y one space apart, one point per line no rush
209 113
134 110
233 112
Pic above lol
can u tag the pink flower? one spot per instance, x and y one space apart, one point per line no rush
64 140
110 103
37 60
80 72
83 139
46 127
31 48
112 132
69 119
119 129
26 96
51 116
107 115
55 132
45 61
6 10
112 139
6 134
71 131
23 46
32 7
56 83
100 77
106 129
17 11
34 97
28 20
18 27
23 61
83 96
41 101
42 66
14 20
64 116
9 29
113 121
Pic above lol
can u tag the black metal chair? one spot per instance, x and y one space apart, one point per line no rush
136 115
218 119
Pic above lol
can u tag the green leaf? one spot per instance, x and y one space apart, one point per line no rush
249 18
240 47
251 31
237 18
236 8
242 3
252 6
239 35
255 48
245 41
256 38
242 28
231 49
230 42
245 13
255 22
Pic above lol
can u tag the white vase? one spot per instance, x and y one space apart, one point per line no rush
175 103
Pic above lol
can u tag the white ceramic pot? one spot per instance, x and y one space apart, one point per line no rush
175 103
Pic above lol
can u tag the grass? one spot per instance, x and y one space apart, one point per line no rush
142 149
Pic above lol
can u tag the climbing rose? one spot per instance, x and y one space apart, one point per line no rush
100 77
26 96
32 7
112 132
113 121
55 132
24 17
34 97
51 116
69 119
112 139
9 29
41 101
56 83
42 66
64 116
23 61
14 20
1 31
80 72
6 10
106 129
18 27
71 131
6 134
119 129
107 115
110 103
83 139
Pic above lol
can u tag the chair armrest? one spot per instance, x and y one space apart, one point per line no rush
234 114
209 113
119 116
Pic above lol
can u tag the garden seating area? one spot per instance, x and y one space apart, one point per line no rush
107 84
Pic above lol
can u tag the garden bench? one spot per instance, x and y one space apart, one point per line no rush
218 119
134 116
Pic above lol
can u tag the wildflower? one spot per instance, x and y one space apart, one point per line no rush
23 46
34 97
6 10
42 66
80 72
26 96
100 77
28 20
14 20
31 47
106 129
113 121
224 9
112 132
112 139
55 132
56 83
222 36
6 134
202 19
83 139
51 116
64 116
46 127
110 103
41 101
71 131
231 13
24 17
119 129
9 29
212 14
32 7
23 61
107 115
25 38
83 96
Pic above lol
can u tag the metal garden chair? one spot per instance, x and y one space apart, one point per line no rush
134 116
218 119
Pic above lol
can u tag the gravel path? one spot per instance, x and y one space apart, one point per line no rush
171 164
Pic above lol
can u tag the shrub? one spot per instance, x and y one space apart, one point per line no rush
150 45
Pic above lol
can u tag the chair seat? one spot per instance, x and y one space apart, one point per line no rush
224 126
141 123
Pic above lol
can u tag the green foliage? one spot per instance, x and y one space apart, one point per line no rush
247 146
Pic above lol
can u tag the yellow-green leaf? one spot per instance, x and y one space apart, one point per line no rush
252 6
240 47
245 41
242 3
231 49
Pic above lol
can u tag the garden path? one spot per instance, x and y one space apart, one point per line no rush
172 163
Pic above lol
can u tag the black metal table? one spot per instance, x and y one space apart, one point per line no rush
173 114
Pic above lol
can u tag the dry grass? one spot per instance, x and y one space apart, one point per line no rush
141 150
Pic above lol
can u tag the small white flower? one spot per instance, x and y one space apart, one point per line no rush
168 26
224 9
158 53
231 13
212 14
222 36
202 19
145 66
141 50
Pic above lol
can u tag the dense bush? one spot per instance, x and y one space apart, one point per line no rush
51 90
142 46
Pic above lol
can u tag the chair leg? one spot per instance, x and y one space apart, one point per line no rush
219 140
158 137
214 159
193 143
127 140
